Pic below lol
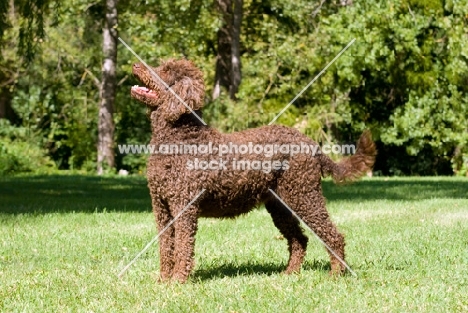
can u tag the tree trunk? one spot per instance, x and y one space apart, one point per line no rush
228 64
223 58
108 88
6 111
235 49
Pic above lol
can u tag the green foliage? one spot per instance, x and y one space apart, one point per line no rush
54 96
404 77
32 17
20 153
408 77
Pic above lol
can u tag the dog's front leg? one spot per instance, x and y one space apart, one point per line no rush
166 239
185 230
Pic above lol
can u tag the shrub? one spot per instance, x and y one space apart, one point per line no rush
18 154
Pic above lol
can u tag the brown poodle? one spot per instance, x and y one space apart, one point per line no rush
234 182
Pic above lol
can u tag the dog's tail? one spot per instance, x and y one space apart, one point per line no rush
355 166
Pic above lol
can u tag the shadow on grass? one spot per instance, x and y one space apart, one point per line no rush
248 269
77 193
397 189
73 193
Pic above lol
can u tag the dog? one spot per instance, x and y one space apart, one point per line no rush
182 190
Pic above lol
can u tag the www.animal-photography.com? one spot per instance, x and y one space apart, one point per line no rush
233 156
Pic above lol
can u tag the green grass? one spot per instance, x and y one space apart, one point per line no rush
63 239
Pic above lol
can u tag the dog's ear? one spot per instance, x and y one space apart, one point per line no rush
188 91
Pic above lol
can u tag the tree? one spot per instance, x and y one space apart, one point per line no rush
235 49
108 88
405 77
228 62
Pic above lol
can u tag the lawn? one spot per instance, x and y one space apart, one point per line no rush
63 239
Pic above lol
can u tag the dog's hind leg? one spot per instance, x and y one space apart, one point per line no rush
166 238
311 209
319 220
289 227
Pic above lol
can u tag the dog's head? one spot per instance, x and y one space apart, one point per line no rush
181 76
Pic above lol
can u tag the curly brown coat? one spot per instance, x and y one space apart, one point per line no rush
232 191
